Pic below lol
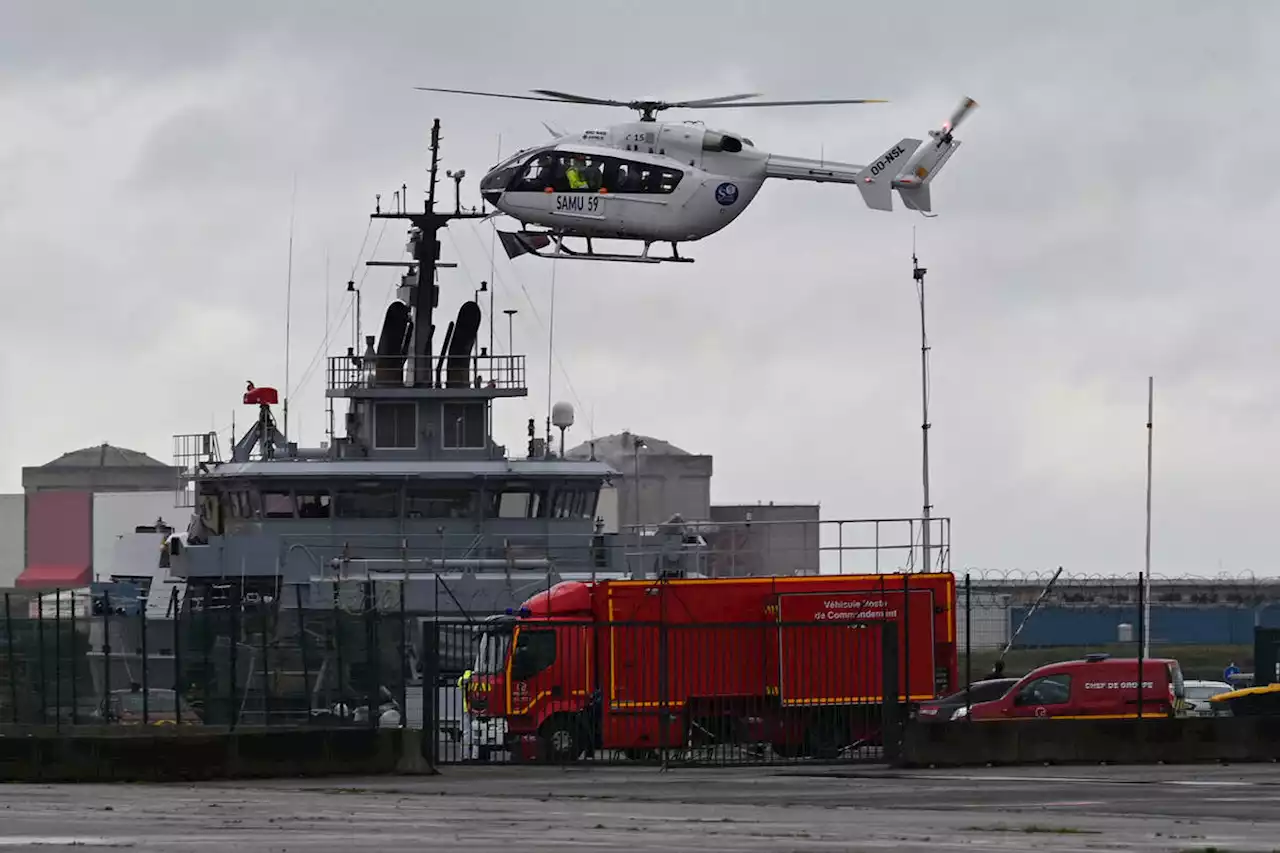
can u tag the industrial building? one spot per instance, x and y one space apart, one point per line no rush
1079 613
61 530
658 480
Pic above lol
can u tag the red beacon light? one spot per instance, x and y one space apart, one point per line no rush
264 396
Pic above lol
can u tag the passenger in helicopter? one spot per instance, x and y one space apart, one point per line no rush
576 175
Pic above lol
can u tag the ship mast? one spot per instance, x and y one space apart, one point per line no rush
426 252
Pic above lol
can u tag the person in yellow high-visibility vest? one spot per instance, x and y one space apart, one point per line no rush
463 681
576 175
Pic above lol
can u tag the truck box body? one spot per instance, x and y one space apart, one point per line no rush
635 665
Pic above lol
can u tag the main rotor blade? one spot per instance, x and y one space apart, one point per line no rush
705 102
812 103
487 94
580 99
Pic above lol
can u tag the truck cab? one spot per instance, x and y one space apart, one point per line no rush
530 687
1098 686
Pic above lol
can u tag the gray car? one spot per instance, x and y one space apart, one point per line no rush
1198 694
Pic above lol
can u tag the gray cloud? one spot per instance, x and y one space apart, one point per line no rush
1106 219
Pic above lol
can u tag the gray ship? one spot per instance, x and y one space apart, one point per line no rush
413 510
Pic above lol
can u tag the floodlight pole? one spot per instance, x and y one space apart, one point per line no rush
917 273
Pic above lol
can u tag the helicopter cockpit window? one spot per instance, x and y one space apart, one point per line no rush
538 175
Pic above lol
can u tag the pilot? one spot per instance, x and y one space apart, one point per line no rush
577 175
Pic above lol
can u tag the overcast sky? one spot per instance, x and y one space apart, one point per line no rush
1111 216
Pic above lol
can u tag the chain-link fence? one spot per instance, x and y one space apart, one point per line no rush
1028 618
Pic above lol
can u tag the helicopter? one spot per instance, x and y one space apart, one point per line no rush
651 181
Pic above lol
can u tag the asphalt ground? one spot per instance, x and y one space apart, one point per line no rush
509 809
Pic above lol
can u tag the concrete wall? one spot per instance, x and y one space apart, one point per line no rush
765 539
668 484
116 514
1177 740
95 479
175 753
13 519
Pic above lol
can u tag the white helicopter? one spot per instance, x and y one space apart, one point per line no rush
674 182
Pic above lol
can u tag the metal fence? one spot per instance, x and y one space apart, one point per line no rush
70 658
704 693
1026 618
233 659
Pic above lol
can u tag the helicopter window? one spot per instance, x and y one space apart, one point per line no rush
577 173
538 175
621 176
713 141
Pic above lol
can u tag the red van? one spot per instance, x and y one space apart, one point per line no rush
1098 686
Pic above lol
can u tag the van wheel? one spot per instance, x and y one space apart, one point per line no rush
561 740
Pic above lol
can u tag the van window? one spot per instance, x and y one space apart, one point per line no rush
1048 690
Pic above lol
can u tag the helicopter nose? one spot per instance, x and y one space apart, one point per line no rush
491 196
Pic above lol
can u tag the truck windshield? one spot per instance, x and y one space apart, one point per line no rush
491 656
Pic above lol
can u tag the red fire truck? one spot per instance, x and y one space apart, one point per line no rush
637 665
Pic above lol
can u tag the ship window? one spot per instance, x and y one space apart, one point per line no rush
277 504
574 503
523 502
395 426
440 502
568 504
463 425
314 505
366 503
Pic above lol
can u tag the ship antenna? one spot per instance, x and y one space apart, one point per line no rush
493 245
551 343
425 246
288 302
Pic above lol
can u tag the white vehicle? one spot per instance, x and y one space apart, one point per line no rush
1198 694
673 182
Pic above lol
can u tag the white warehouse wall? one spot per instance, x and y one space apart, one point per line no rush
13 527
116 514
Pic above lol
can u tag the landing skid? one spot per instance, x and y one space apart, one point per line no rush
544 244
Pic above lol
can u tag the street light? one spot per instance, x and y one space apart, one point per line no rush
917 273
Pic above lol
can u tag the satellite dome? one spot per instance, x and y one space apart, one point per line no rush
562 415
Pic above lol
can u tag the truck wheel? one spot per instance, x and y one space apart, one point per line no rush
561 740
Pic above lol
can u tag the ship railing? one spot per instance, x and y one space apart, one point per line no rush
745 547
492 372
705 548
